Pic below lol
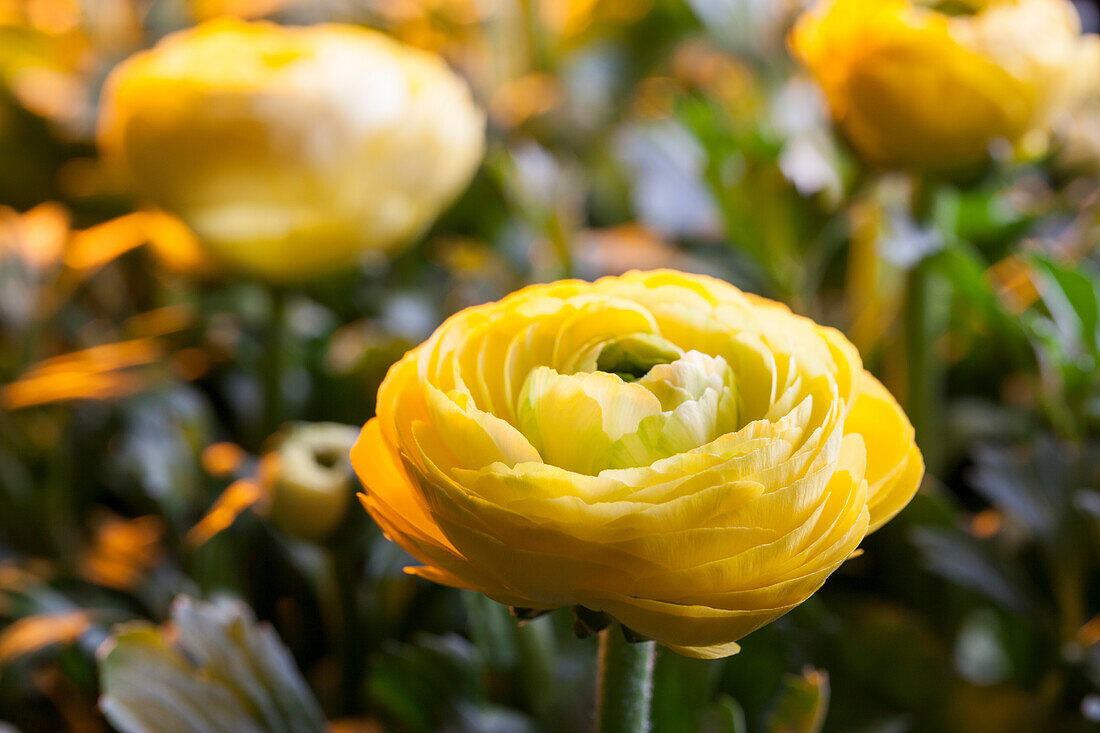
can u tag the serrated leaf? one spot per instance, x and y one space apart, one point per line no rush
213 669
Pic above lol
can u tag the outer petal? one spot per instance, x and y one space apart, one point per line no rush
894 464
395 504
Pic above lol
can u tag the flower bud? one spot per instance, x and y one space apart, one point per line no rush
309 477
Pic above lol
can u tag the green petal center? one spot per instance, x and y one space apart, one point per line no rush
631 358
647 401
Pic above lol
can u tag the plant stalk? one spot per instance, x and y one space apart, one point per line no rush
274 362
924 316
624 683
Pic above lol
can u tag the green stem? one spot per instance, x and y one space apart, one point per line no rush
274 361
559 240
924 315
353 654
533 35
535 641
624 684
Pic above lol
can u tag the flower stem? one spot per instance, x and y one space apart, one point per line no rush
923 327
346 573
274 360
624 683
559 240
535 640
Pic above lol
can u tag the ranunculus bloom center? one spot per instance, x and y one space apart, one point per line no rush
632 357
590 422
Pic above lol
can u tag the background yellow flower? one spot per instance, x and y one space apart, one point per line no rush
915 88
289 150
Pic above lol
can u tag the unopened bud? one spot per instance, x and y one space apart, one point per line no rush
309 476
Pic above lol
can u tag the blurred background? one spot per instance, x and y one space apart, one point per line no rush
137 432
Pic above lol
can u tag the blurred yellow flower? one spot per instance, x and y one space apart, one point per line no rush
691 460
291 150
915 88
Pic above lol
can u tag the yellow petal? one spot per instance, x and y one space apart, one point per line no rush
573 420
894 464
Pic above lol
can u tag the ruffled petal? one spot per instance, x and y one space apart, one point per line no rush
894 464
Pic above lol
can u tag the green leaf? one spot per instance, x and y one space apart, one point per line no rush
802 704
960 558
1073 299
212 669
493 630
983 215
1011 481
682 688
425 683
725 716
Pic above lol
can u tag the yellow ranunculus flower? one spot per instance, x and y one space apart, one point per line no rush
690 459
915 88
291 150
